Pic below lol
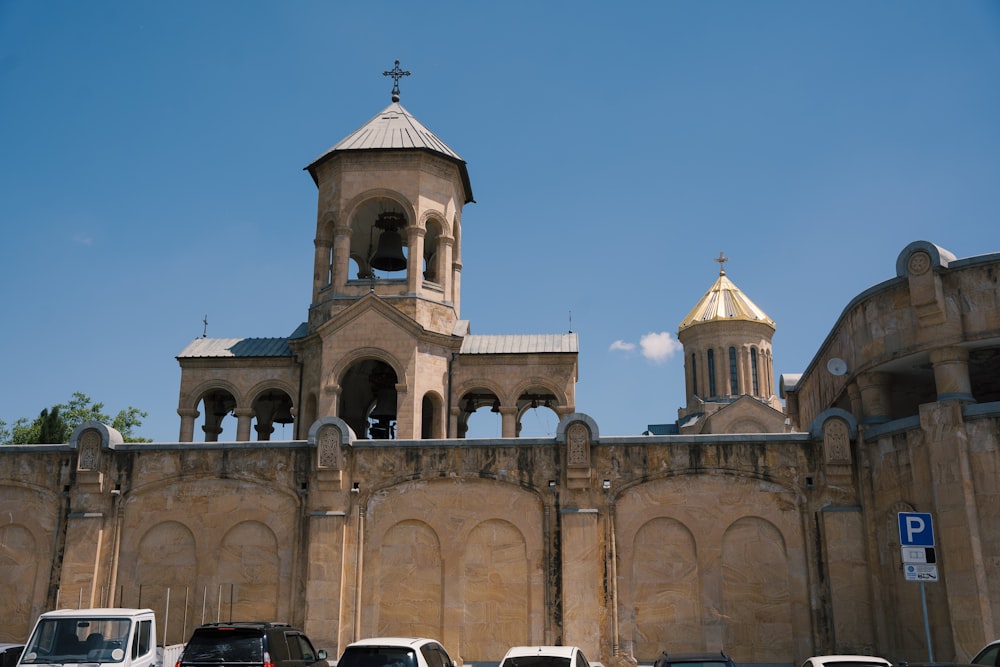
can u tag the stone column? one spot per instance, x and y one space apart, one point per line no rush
508 420
243 418
742 374
748 373
415 258
875 397
446 247
342 256
321 267
454 412
212 428
951 373
456 287
329 402
405 420
188 417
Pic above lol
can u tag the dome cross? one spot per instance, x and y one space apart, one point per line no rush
396 73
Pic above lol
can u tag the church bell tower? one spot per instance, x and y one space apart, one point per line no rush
384 313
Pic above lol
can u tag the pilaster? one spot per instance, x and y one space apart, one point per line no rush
581 570
957 526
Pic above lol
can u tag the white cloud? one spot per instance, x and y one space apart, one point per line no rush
622 345
659 347
82 239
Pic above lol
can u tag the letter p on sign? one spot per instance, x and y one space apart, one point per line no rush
916 529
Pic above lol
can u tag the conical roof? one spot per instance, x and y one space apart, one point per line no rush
724 302
394 128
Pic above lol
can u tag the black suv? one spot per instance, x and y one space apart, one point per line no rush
718 659
250 645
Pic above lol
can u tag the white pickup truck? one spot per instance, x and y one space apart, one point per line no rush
91 637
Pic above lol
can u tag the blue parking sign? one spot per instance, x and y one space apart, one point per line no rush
915 529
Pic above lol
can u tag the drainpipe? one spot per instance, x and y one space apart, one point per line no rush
359 571
116 543
297 435
615 634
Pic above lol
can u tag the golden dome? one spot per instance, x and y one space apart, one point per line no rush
724 302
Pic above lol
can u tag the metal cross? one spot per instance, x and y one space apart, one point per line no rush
396 74
722 259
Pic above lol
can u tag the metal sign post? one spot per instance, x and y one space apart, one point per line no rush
916 539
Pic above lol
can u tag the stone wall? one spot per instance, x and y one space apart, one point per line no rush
772 546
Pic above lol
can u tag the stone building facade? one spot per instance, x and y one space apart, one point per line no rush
770 534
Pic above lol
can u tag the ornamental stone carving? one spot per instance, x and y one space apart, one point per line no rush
90 449
836 442
328 447
578 446
919 263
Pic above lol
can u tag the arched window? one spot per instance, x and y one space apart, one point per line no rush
711 372
734 383
753 371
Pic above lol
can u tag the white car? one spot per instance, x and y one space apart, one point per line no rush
546 656
846 661
395 652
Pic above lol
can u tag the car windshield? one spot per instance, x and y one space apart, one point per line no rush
536 661
62 640
988 656
228 645
377 656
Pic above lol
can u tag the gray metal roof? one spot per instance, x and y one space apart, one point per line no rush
236 347
394 128
520 344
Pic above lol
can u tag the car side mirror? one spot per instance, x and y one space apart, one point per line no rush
321 654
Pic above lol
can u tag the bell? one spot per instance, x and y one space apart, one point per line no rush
389 256
283 415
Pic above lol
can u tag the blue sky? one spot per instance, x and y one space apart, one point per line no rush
151 156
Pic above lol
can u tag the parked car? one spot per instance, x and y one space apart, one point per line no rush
395 652
846 661
710 659
545 656
988 655
9 653
250 644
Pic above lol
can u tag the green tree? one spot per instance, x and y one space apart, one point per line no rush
52 429
56 424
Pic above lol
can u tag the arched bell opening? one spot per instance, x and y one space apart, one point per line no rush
431 417
368 399
378 238
536 415
433 272
217 406
476 423
273 411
